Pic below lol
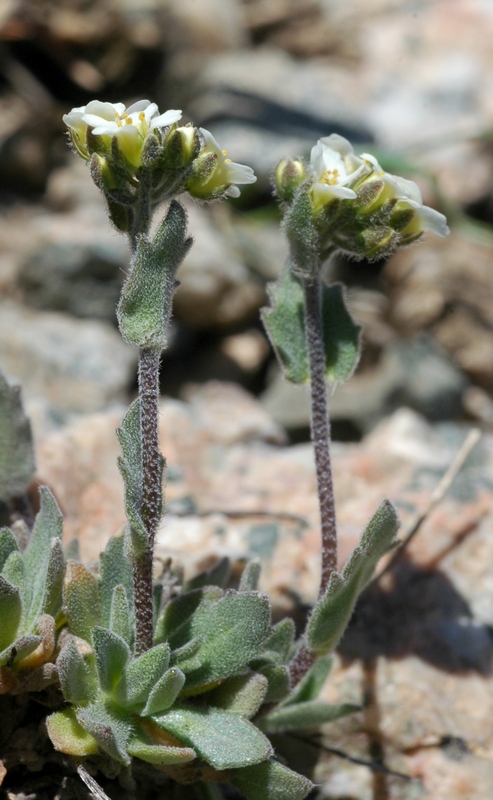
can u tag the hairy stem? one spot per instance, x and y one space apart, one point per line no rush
151 495
320 427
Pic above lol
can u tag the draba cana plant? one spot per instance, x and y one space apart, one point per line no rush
193 680
338 202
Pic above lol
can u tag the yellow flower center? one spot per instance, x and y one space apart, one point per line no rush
330 177
226 160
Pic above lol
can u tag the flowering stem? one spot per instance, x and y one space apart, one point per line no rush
320 427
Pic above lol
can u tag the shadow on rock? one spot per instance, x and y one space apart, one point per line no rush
418 611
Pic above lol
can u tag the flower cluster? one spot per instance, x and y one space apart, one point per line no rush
354 204
120 142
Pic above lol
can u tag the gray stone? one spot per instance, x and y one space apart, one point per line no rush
77 365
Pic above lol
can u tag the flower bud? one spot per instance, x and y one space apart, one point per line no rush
182 146
288 176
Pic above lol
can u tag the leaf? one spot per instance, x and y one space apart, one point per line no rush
160 754
112 654
129 435
278 682
10 612
68 735
285 326
300 716
111 732
173 623
165 692
232 631
218 575
17 465
333 611
243 694
8 544
270 781
311 683
115 570
250 576
14 570
223 739
43 561
81 600
142 674
146 300
120 619
281 640
77 679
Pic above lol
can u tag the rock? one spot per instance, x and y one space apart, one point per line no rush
208 26
76 365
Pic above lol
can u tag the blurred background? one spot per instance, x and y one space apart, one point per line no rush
410 81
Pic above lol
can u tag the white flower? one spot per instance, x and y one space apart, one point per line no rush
226 173
130 125
334 166
407 195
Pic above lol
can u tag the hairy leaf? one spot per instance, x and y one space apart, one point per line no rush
10 612
130 465
142 674
270 781
77 679
218 575
285 325
111 732
8 545
16 444
68 735
278 682
112 654
250 576
160 754
165 692
81 600
115 570
173 624
281 640
243 694
312 683
300 716
333 611
145 305
223 739
120 619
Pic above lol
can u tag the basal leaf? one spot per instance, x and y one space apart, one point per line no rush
165 692
77 678
8 545
271 781
302 716
161 754
115 570
333 611
111 731
68 735
173 624
312 683
81 600
278 682
250 576
112 654
223 739
243 694
120 619
142 674
280 641
218 575
10 612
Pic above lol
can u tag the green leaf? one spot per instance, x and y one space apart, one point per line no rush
111 731
300 716
120 619
10 612
160 754
218 575
250 576
142 674
112 654
333 611
8 544
285 326
243 694
232 631
278 682
130 465
77 679
173 623
17 464
223 739
43 561
311 683
115 570
14 570
281 640
270 781
81 600
165 692
145 305
68 735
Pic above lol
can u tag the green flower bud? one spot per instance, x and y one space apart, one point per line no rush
288 177
182 146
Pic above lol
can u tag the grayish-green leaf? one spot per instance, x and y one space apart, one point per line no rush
280 642
8 545
120 619
232 631
145 305
173 623
14 570
223 739
278 682
165 692
111 731
285 326
130 465
142 674
271 781
10 612
115 570
311 683
243 694
112 654
160 754
250 576
77 679
333 611
81 600
217 575
302 716
17 464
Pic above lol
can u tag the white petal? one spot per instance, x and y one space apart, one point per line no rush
232 191
168 118
338 143
334 191
109 129
434 221
210 142
74 118
106 111
240 173
139 106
